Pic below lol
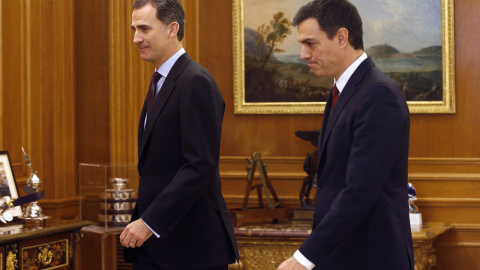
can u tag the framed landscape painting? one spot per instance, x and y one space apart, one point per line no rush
409 40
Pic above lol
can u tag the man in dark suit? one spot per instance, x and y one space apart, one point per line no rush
180 219
361 218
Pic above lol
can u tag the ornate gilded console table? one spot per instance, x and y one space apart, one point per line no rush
50 247
266 246
423 239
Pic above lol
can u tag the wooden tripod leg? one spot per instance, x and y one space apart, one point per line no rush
260 198
264 183
269 185
251 172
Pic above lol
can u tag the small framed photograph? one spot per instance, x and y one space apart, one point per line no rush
8 185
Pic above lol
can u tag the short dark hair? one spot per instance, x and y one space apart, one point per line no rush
168 11
332 15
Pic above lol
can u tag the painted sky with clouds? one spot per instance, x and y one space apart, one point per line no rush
407 25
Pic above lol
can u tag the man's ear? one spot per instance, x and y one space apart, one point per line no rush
173 29
342 37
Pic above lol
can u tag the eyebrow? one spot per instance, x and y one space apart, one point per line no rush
306 40
139 26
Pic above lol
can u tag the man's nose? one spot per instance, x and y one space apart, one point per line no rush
305 53
136 38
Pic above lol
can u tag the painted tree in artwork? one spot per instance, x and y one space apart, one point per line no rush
270 36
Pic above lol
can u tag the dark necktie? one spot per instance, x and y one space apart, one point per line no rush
151 90
335 94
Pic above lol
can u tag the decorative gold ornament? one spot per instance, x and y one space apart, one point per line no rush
52 254
424 255
45 256
265 253
12 261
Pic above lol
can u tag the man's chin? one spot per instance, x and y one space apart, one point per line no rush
145 57
318 73
315 72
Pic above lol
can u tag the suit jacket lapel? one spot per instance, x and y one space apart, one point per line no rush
141 125
348 92
326 114
160 101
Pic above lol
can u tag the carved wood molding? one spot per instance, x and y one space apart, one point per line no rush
446 165
286 168
288 173
64 208
64 202
444 176
466 227
444 161
272 175
421 169
234 201
281 159
412 160
449 202
465 235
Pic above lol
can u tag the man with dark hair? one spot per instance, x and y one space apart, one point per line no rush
361 218
180 219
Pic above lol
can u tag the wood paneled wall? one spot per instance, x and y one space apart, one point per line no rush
72 86
91 58
38 96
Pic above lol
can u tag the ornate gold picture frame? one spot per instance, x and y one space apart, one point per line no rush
275 86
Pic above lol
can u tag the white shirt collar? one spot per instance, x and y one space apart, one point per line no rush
343 79
167 66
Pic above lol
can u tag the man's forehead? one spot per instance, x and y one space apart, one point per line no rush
309 29
145 13
310 24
